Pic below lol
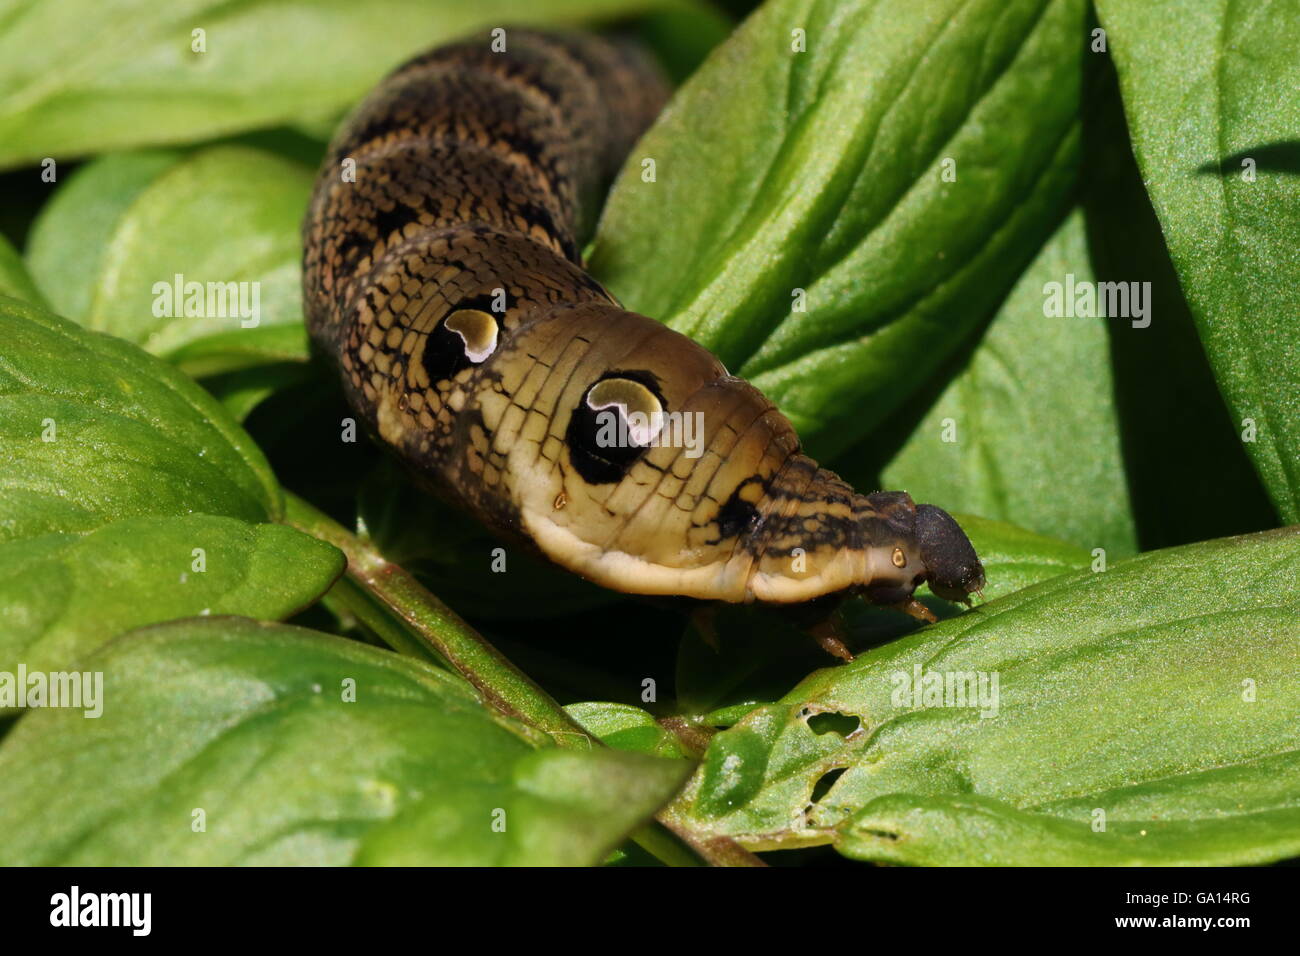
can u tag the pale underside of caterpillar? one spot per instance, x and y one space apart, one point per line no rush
442 274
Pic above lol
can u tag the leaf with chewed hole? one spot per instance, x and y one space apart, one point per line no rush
226 741
1141 714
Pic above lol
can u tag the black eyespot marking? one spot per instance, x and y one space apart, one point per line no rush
464 338
613 425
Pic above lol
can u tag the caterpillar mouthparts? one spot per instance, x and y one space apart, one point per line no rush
441 275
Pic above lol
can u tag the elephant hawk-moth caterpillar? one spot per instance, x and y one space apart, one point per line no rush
443 277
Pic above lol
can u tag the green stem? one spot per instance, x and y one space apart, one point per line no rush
440 630
434 629
348 596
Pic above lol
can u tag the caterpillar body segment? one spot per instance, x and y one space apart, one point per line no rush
443 277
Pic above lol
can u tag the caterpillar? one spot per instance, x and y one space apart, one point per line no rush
444 280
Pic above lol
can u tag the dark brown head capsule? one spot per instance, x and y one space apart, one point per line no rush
953 570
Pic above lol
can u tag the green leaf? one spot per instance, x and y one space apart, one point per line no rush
14 278
242 390
967 830
250 724
1190 479
223 215
1161 692
244 367
78 75
241 349
128 497
624 727
74 229
566 809
1003 439
823 171
1201 101
93 430
758 649
63 595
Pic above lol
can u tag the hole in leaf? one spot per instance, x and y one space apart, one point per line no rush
823 786
842 724
883 834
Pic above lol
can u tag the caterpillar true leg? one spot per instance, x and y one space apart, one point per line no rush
829 635
441 274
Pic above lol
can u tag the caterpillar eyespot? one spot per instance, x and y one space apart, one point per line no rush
612 426
445 283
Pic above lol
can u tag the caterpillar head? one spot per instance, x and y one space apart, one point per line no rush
953 570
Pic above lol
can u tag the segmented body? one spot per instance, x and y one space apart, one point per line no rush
442 274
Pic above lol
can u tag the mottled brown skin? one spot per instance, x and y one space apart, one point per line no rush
446 282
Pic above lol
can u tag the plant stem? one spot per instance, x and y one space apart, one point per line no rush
346 595
436 630
440 630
